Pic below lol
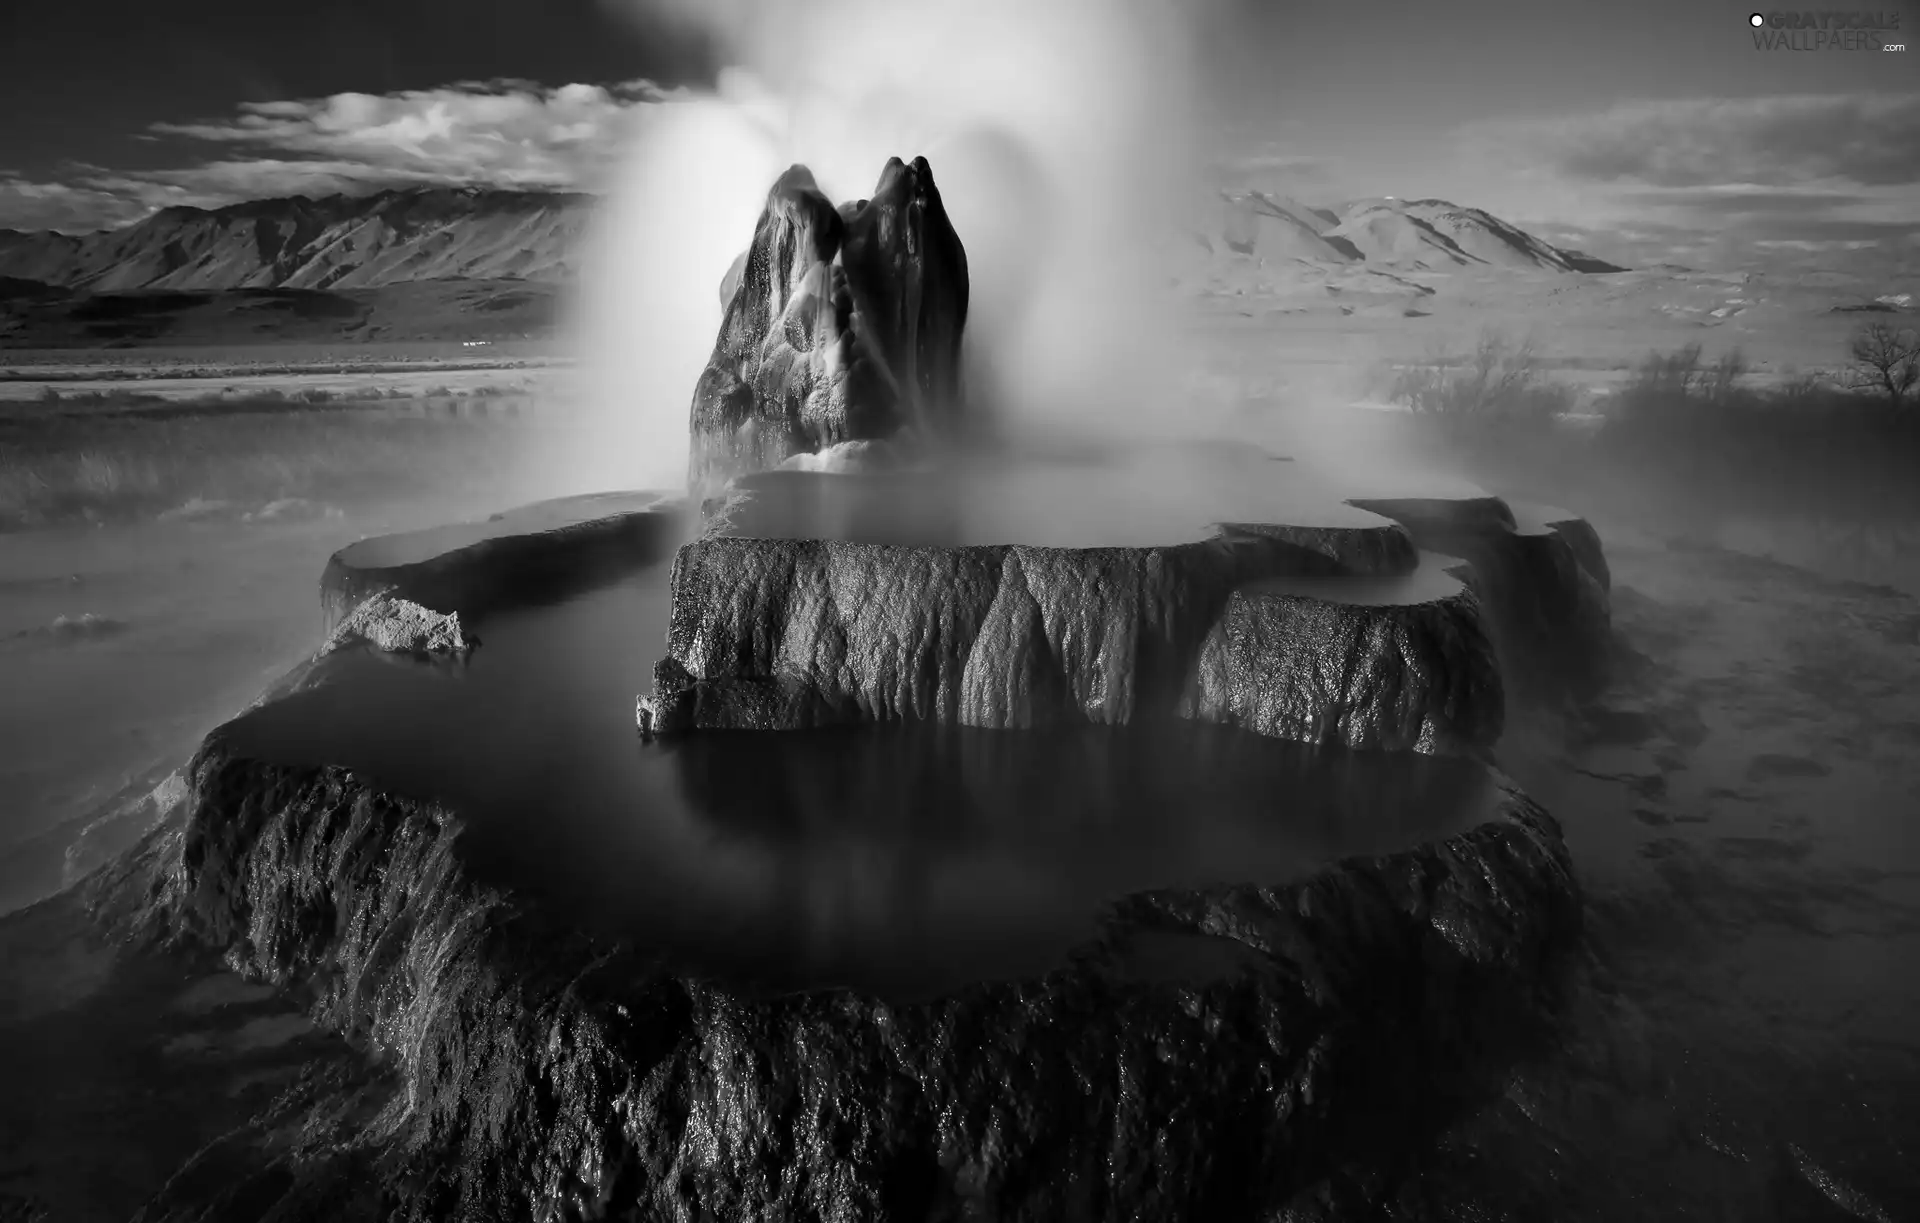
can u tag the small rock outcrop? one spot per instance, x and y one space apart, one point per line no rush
840 325
1414 676
400 626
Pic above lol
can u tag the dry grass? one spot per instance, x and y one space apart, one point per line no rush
116 457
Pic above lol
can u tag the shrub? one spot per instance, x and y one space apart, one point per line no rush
1804 446
1500 381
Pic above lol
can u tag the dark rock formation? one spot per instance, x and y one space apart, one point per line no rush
794 633
908 273
536 552
1580 536
775 631
842 324
784 634
1374 669
905 611
1213 1053
1542 577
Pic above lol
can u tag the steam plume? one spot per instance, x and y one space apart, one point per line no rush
1062 135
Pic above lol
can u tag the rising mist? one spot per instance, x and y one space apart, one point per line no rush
1066 140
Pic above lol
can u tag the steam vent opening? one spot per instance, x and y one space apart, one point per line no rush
862 807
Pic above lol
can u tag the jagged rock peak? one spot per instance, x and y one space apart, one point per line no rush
840 324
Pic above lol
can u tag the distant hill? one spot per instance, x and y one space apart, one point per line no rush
344 242
1481 235
36 315
1267 225
337 242
1401 235
472 263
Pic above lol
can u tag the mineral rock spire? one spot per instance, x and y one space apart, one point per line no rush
840 325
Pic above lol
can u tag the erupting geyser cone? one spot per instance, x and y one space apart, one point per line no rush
841 325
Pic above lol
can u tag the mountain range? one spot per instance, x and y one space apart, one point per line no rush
470 263
335 242
1400 235
406 236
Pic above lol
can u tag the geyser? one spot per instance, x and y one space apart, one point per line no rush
1064 136
842 326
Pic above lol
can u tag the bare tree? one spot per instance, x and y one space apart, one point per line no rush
1884 360
1723 376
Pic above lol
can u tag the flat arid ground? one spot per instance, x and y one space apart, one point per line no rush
344 371
1591 331
1318 331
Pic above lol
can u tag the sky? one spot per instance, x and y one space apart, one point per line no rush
1638 130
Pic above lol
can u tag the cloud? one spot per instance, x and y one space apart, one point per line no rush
506 132
1805 244
503 133
1783 243
1743 182
1638 245
1296 165
1872 139
25 204
1742 201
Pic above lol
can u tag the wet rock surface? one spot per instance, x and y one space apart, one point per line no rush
787 634
1399 665
841 325
1543 579
822 600
1213 1050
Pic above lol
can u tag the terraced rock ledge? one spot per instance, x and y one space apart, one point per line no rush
1542 577
1132 871
828 599
539 551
